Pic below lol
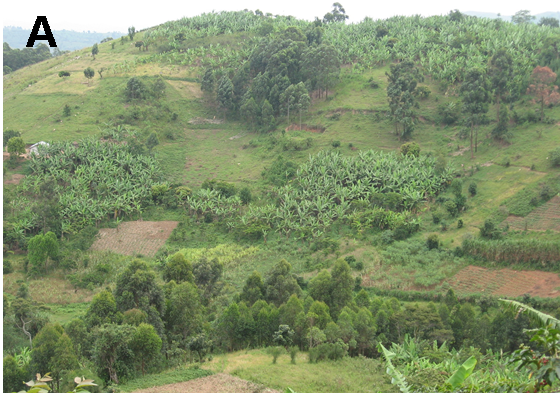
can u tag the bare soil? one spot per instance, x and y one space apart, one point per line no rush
545 217
218 383
506 282
15 179
313 129
132 238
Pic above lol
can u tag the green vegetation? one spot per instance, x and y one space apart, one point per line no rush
324 198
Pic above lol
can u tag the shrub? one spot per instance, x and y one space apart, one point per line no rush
293 353
335 144
436 217
489 230
245 195
7 267
432 242
63 74
422 92
451 207
66 111
448 113
275 352
410 148
456 186
473 189
554 157
460 223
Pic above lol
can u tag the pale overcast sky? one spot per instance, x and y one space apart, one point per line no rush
105 16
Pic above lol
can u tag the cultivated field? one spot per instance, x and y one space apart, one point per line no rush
506 282
545 217
133 238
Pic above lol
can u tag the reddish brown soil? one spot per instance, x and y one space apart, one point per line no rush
134 238
506 282
545 217
313 129
14 179
218 383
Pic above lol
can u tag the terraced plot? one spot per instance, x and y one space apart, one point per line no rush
506 282
545 217
132 238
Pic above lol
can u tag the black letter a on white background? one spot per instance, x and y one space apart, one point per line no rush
34 36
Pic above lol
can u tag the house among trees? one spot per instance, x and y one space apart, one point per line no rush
33 148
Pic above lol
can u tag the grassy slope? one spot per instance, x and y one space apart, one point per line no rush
198 152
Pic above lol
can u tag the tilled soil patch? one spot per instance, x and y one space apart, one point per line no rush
506 282
218 383
133 238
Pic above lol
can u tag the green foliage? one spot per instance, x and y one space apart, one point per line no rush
489 230
401 92
9 134
102 310
554 157
464 371
473 190
94 50
449 113
111 352
275 352
12 375
280 283
42 248
89 73
410 148
432 242
16 147
178 269
146 345
66 111
528 251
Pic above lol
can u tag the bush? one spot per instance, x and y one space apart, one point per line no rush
432 242
473 189
410 148
245 195
422 92
293 353
448 114
554 157
451 207
280 171
275 352
489 230
63 74
460 223
436 217
8 269
335 144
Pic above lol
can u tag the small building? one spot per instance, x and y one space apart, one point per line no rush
33 148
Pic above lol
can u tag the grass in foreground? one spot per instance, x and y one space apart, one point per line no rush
350 375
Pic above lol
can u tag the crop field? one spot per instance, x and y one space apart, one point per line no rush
545 217
506 282
133 238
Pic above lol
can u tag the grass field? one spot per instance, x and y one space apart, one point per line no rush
350 375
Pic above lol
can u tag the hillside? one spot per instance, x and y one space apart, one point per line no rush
232 211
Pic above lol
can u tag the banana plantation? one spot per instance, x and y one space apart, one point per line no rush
443 48
93 180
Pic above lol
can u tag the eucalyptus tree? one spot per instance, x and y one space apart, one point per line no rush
500 73
403 79
475 96
94 50
225 94
296 97
321 65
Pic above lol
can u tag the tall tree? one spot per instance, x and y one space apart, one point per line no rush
280 283
475 95
500 72
342 286
42 248
403 79
250 111
254 289
551 22
543 88
522 17
207 84
225 94
185 311
111 349
65 359
94 50
146 345
131 32
338 14
321 65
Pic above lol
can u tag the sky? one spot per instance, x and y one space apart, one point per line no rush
105 16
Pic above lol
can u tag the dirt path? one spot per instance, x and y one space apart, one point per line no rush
218 383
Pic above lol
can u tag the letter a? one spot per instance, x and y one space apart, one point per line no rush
34 36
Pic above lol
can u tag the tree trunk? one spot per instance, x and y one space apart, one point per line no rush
472 152
498 111
476 140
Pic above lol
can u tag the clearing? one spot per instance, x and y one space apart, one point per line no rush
545 217
133 238
506 282
218 383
